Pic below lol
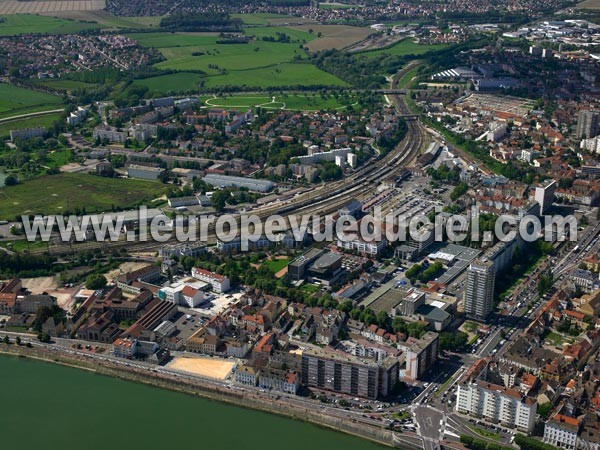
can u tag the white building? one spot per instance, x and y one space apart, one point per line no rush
219 283
495 403
561 431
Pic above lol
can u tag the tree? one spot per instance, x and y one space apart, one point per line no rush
18 340
11 180
95 281
44 337
6 340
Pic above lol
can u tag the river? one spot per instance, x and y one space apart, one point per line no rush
49 407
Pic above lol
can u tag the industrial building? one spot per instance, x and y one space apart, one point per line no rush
224 181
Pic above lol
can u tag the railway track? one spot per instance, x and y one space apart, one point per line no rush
322 201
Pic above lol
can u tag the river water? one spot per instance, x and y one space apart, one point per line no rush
44 406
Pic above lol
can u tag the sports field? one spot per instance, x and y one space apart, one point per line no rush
16 100
295 102
55 194
205 367
175 82
405 47
30 23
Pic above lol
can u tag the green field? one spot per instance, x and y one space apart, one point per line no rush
405 47
281 75
175 82
15 100
55 194
255 64
29 23
296 102
295 35
260 18
40 121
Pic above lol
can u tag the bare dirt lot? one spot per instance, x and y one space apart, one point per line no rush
589 4
124 268
49 285
334 36
206 367
37 7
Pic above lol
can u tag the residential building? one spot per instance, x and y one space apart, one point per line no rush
588 124
479 292
561 431
219 283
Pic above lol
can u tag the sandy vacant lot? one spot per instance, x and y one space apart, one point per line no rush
206 367
64 296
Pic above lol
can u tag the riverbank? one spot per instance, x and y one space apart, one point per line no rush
222 394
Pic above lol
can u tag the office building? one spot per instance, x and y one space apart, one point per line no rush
219 283
479 292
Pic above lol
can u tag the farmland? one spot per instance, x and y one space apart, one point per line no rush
41 121
55 194
175 82
30 23
16 100
255 64
405 47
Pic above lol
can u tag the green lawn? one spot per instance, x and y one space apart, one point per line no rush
55 194
175 82
281 75
15 100
41 121
30 23
58 158
276 265
22 245
555 338
485 433
405 47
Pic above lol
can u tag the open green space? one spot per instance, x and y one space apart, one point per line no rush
288 74
297 102
275 265
554 338
485 433
174 82
294 34
16 100
39 121
405 47
14 24
260 18
56 194
255 64
22 245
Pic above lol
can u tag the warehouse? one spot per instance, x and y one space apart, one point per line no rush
223 181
